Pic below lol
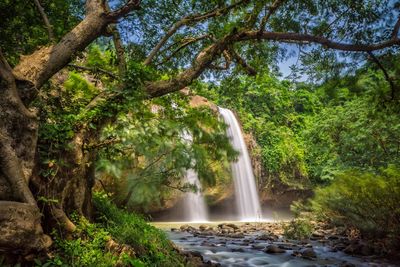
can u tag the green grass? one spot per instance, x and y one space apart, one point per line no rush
87 246
150 244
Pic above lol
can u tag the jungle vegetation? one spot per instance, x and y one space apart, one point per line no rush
98 91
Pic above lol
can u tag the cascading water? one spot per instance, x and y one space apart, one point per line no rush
195 209
247 201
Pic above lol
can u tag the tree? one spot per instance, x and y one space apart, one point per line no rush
210 36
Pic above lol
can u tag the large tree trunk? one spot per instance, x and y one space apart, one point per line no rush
21 231
20 218
71 189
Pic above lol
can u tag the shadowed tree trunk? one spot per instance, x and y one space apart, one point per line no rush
20 218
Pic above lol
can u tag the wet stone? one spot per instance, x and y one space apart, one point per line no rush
308 253
258 246
272 249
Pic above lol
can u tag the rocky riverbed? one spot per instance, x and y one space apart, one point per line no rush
263 244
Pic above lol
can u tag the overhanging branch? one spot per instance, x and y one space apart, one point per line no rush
271 11
124 10
93 70
309 39
205 58
46 20
385 73
186 21
396 28
188 41
250 70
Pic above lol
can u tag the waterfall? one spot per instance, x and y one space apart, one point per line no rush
247 201
195 209
194 205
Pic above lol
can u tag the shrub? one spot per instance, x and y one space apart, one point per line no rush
151 245
366 201
87 245
85 248
298 229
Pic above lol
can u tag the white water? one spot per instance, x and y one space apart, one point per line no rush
247 201
194 205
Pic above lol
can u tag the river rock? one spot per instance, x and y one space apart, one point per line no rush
359 249
204 227
237 250
231 225
333 237
236 235
272 249
307 253
258 246
347 264
187 228
285 245
317 236
269 237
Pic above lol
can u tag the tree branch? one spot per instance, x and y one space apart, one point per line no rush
185 44
396 28
250 70
119 47
12 170
93 70
11 88
308 39
5 69
46 21
271 11
188 20
228 61
385 73
209 54
124 10
38 67
202 61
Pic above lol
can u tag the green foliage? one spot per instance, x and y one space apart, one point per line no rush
363 200
22 29
276 113
98 58
149 243
354 131
79 89
308 133
87 247
88 244
157 143
298 229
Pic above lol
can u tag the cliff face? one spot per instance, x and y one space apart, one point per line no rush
272 191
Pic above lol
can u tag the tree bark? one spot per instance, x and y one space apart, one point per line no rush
20 218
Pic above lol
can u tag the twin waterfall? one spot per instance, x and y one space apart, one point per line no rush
195 208
247 201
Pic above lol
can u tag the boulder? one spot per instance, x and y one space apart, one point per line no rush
236 235
265 236
308 253
203 227
272 249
